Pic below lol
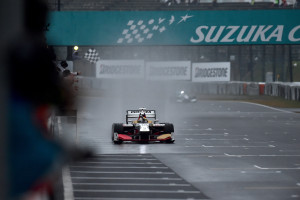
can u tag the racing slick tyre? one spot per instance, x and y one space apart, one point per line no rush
116 128
169 128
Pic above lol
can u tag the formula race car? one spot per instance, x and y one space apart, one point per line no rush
142 126
183 97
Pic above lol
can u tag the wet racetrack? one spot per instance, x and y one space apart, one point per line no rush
224 150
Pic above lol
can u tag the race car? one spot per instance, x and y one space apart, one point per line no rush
183 97
142 126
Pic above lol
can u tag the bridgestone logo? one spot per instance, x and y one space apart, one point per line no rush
211 72
119 69
168 71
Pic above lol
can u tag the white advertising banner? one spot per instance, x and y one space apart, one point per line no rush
211 71
168 70
120 69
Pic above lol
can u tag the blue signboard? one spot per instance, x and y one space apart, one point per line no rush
234 27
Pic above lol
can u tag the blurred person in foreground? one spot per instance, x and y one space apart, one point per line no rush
36 88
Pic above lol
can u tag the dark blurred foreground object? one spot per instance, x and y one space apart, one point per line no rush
35 16
33 75
64 64
36 89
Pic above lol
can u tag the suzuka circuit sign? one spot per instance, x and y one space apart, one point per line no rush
177 70
120 69
210 71
228 27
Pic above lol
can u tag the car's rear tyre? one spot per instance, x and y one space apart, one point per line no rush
169 128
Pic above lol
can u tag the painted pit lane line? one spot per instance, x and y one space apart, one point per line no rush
103 162
96 198
111 172
110 167
127 178
143 159
142 191
164 184
135 184
67 184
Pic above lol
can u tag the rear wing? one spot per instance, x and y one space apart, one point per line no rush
134 114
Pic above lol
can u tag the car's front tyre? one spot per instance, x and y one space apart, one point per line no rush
117 128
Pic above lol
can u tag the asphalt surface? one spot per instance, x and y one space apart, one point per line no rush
224 150
130 176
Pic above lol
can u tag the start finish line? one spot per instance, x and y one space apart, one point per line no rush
228 27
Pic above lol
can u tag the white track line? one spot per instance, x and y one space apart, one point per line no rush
107 198
117 159
142 191
110 167
67 183
128 178
89 172
100 162
269 107
277 168
135 184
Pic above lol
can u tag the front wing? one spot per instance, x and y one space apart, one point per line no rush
158 132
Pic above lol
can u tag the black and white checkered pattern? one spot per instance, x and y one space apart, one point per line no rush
92 55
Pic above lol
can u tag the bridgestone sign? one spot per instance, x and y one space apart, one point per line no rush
206 72
177 70
120 69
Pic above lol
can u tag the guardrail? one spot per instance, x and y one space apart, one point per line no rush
289 91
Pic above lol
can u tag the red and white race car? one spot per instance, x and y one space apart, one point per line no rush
142 126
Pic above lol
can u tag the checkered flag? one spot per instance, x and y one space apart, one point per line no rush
92 55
